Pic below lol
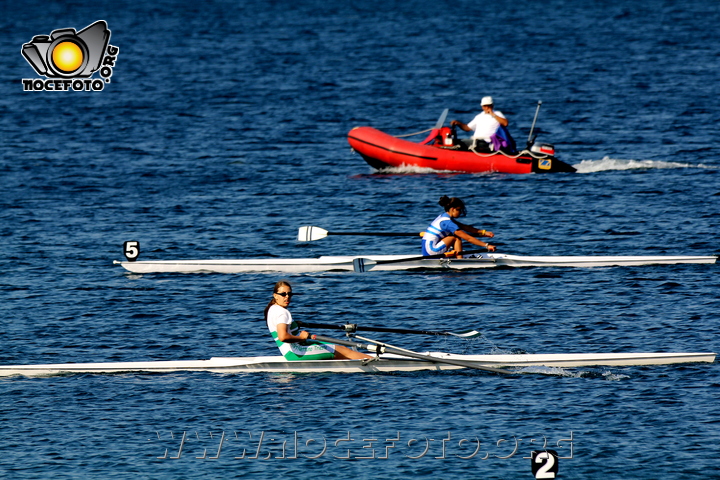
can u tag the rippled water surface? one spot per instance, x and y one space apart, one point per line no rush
223 130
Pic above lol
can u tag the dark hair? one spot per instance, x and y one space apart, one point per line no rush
454 202
281 283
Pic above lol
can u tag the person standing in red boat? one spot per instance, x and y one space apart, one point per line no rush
296 344
489 129
445 234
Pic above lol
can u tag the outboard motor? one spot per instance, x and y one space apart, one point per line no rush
447 137
543 148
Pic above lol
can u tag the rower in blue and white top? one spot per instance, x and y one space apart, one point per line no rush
445 234
296 344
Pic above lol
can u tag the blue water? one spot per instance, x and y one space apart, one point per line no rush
223 130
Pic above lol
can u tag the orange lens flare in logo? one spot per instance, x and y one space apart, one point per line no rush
67 56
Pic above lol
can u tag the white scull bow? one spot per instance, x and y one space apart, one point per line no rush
386 363
399 262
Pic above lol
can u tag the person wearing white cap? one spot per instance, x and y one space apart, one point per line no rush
484 126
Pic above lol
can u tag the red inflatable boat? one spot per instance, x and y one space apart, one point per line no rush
442 151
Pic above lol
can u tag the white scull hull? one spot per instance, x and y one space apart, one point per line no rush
329 263
387 363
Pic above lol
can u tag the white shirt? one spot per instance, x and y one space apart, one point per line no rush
485 125
277 315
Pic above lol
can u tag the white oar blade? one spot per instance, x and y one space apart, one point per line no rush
467 334
361 265
310 234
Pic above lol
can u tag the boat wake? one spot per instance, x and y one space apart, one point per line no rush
585 166
556 371
410 169
564 372
607 163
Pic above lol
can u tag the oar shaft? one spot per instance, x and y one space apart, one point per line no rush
401 330
310 234
405 353
348 327
353 327
377 234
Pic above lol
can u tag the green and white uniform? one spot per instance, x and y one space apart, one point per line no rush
307 350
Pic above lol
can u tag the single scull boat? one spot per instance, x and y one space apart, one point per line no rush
386 363
399 262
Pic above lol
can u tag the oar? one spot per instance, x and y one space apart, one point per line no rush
353 327
361 265
310 234
381 348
